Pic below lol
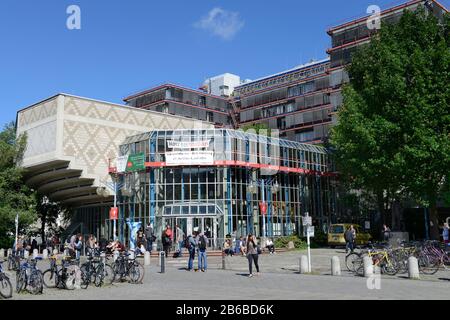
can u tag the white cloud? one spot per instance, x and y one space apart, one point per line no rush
222 23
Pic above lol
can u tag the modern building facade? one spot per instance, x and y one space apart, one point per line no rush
217 180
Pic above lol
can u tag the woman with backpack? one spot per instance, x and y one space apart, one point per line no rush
252 254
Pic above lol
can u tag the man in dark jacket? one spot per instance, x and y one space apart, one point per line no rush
149 236
349 239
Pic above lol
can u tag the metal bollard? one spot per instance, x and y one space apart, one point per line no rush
223 261
9 252
162 257
35 253
413 268
45 254
368 267
2 253
304 264
146 258
335 266
116 255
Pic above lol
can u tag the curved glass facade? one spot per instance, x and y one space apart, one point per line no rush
216 180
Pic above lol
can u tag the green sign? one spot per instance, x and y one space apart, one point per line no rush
136 162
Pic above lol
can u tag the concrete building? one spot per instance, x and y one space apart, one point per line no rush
222 85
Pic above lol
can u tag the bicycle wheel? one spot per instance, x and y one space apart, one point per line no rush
445 261
36 283
351 261
67 279
21 280
108 275
427 264
5 288
99 276
136 273
50 278
10 264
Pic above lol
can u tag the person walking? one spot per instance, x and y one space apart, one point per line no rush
202 243
149 236
190 245
348 235
252 254
180 239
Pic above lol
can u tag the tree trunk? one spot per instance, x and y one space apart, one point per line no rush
434 223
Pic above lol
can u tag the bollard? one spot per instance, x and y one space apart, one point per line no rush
9 252
368 267
146 258
55 251
26 254
2 253
162 256
304 264
223 261
413 268
45 254
35 253
335 266
116 255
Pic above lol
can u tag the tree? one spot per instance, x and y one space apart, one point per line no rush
258 128
392 137
16 197
47 212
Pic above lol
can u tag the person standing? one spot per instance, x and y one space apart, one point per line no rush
445 235
190 245
167 240
78 246
141 243
202 243
349 236
149 236
180 240
386 233
252 254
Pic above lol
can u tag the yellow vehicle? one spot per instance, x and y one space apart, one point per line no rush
337 231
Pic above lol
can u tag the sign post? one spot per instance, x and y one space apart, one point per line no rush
307 221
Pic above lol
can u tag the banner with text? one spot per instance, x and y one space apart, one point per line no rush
188 144
188 158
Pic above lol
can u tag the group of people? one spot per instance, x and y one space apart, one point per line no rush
241 246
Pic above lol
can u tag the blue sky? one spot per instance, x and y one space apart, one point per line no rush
127 46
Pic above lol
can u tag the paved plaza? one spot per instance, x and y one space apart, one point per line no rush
279 279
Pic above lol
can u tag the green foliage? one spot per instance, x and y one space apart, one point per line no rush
258 128
392 137
282 242
15 197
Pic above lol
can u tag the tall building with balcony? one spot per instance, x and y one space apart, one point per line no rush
176 100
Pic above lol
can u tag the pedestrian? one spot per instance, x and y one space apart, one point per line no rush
91 245
149 235
243 246
141 242
202 243
252 254
348 235
190 245
386 233
445 234
180 239
166 240
34 245
270 246
78 246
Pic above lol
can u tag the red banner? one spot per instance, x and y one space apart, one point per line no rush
263 207
114 213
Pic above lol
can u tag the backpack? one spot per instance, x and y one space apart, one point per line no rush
202 243
187 242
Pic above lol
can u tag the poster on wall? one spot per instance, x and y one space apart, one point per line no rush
188 144
189 158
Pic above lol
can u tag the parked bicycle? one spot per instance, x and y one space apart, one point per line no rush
29 277
5 284
63 276
126 266
13 262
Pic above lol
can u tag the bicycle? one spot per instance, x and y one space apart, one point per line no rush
29 277
125 267
13 262
5 284
104 273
